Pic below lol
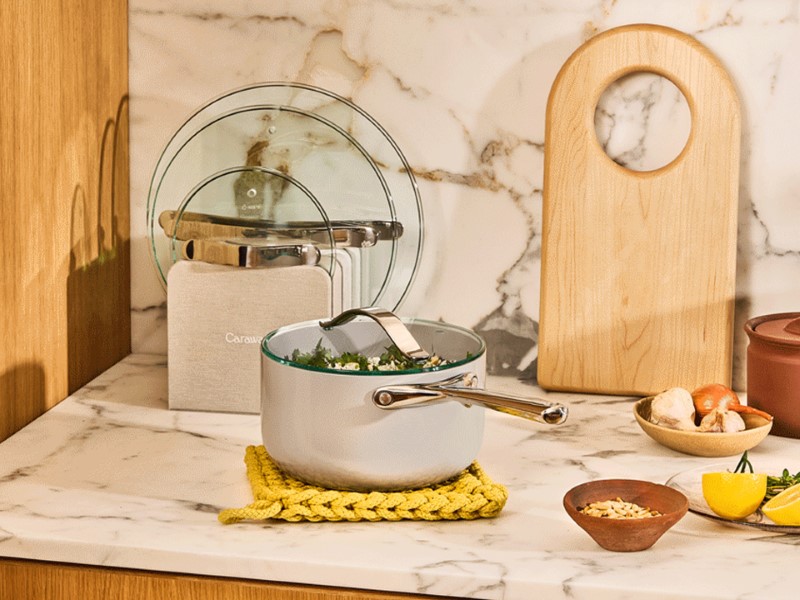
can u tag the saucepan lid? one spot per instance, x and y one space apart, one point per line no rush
326 143
207 227
779 328
291 144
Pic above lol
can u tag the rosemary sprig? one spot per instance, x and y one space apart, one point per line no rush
776 484
744 463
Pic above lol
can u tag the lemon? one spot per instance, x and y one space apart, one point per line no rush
735 495
784 509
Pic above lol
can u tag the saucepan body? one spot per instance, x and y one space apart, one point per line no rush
325 426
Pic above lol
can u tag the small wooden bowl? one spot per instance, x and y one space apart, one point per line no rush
699 443
626 535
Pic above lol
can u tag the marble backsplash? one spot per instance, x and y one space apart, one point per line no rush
462 88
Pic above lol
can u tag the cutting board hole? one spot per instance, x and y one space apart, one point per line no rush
642 121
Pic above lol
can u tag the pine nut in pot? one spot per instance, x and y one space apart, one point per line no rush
618 509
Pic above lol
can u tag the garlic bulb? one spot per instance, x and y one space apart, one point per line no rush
722 420
673 408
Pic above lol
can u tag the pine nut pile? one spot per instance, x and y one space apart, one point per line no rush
618 509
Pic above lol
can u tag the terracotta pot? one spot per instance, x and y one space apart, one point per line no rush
773 369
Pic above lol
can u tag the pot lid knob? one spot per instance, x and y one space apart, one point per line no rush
793 326
780 328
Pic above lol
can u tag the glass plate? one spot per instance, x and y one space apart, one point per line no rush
690 484
339 152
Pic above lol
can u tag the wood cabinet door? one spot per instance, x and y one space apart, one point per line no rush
64 200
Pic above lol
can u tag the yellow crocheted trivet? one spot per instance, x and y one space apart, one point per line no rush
469 495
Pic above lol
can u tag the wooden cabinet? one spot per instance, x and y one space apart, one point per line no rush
24 580
64 200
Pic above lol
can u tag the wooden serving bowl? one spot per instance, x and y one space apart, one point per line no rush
703 443
626 535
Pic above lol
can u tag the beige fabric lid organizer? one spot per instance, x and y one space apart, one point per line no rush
638 268
216 318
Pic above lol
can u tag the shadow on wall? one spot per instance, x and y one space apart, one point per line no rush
745 253
510 339
511 126
22 389
98 285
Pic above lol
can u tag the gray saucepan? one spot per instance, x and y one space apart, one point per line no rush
380 430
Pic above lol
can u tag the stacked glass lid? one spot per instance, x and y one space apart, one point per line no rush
287 173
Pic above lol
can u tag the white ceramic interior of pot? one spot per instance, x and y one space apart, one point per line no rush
452 343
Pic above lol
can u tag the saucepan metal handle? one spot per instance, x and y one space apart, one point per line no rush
243 253
344 234
462 388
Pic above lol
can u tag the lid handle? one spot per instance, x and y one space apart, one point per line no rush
793 326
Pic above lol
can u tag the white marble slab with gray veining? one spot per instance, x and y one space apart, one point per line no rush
111 477
462 87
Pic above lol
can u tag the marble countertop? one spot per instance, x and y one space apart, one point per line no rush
112 477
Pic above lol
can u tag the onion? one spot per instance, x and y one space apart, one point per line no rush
708 397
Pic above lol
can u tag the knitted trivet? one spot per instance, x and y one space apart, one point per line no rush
469 495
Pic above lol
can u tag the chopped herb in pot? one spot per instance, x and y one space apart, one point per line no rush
390 360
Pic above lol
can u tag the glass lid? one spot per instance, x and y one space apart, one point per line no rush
340 154
315 155
208 225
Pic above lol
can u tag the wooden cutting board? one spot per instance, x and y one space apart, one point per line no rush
638 268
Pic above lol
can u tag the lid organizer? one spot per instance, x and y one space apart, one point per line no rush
322 142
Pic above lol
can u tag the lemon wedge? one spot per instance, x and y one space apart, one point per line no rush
784 509
736 495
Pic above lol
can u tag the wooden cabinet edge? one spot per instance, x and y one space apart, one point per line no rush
24 579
